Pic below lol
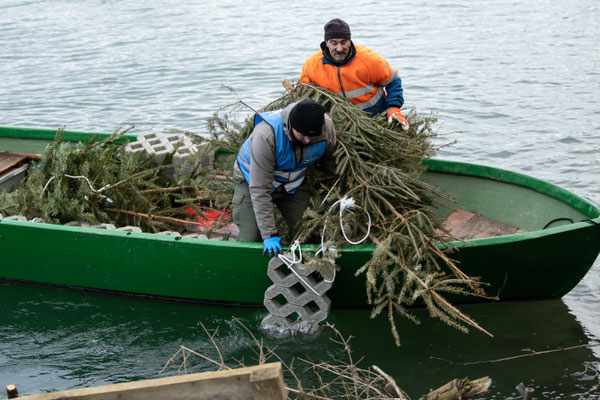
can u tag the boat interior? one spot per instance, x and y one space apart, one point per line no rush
487 207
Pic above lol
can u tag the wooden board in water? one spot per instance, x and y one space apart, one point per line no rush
261 382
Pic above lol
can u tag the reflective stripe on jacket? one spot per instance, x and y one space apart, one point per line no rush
361 80
287 172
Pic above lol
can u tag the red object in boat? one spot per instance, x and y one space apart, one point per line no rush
211 216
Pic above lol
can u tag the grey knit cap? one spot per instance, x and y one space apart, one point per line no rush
336 29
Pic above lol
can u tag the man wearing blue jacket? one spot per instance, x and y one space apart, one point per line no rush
271 167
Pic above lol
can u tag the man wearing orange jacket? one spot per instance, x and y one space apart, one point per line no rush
355 72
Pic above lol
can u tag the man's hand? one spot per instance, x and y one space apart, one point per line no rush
272 245
394 115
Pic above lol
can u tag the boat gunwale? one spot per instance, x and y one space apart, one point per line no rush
433 165
49 134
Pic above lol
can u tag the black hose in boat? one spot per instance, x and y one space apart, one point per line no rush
571 221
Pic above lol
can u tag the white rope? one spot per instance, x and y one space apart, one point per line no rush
88 182
290 262
346 204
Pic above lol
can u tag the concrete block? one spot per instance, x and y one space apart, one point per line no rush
105 226
311 308
275 306
134 147
130 229
315 311
16 218
273 320
294 294
78 223
150 137
280 274
185 155
208 161
317 282
160 150
286 325
170 233
179 140
196 236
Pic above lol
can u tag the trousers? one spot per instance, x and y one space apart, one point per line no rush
291 206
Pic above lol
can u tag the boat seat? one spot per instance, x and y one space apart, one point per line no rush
13 168
467 225
9 161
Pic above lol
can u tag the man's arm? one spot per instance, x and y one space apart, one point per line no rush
262 166
395 93
384 75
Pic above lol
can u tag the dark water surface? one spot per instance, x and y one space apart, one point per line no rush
516 84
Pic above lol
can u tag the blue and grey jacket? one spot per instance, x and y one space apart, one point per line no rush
287 171
270 160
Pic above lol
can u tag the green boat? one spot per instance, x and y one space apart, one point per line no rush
541 240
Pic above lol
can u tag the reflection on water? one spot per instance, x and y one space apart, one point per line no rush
56 339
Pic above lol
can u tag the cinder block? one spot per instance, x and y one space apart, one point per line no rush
110 227
130 229
302 298
149 137
273 320
317 282
311 308
196 236
281 309
134 147
170 233
179 140
208 161
295 293
287 324
159 150
16 218
317 314
78 223
184 154
280 274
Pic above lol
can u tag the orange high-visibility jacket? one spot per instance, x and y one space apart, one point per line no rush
361 80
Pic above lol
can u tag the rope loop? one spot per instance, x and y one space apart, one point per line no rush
88 182
296 260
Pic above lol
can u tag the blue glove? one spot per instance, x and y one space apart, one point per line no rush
272 245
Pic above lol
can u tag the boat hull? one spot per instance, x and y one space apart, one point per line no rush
538 264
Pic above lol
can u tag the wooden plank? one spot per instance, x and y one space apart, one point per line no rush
261 382
8 161
467 225
29 156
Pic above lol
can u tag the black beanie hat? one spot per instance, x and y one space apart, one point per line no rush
307 117
336 29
